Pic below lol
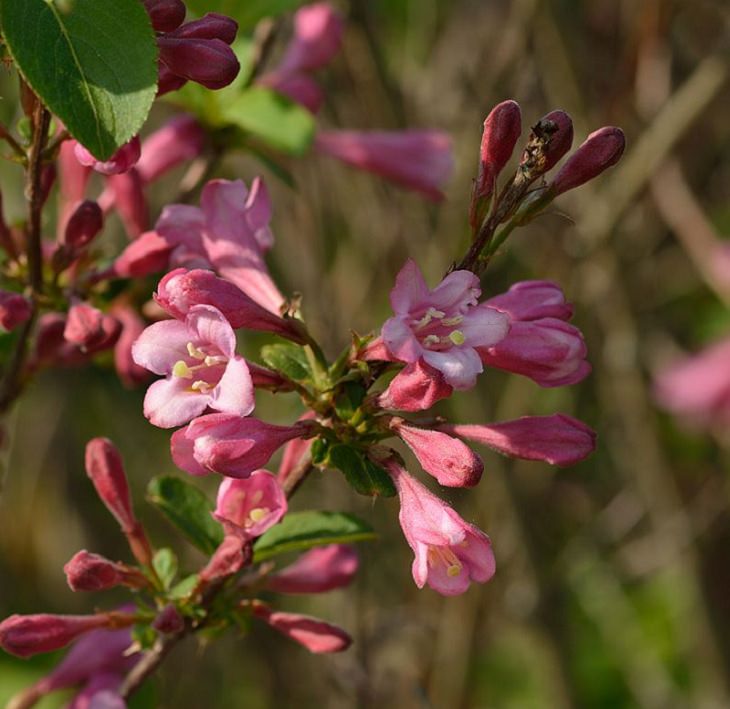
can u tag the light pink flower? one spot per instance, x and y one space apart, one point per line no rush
294 451
419 160
129 372
89 328
317 38
449 552
200 365
182 138
317 570
228 559
316 635
557 439
228 444
532 300
442 327
121 161
416 387
448 459
247 508
698 387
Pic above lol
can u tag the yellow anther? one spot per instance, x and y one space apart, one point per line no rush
210 360
181 369
431 340
457 337
438 314
193 351
201 386
258 513
455 320
453 570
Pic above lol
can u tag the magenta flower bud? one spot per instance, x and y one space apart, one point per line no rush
180 290
167 81
121 161
182 138
248 507
91 572
27 635
560 140
105 469
169 620
128 197
502 129
532 300
600 150
449 552
548 351
698 387
210 62
15 309
148 253
100 693
318 30
72 175
51 347
317 571
165 15
210 26
294 451
84 326
267 378
128 370
230 444
85 222
417 160
448 459
314 634
557 439
229 558
416 387
300 88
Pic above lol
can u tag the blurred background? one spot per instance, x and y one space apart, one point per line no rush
613 577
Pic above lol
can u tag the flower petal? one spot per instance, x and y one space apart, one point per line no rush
210 326
459 365
235 392
169 403
161 345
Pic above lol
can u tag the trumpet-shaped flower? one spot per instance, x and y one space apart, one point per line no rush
449 552
443 326
201 369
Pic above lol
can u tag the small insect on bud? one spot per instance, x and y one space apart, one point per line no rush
600 150
550 139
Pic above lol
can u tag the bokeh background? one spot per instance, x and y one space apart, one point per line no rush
613 581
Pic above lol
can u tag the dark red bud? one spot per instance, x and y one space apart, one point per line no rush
166 15
210 62
210 26
502 129
14 310
91 572
228 559
83 225
169 621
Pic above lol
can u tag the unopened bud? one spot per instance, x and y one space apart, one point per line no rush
165 15
121 161
27 635
550 139
83 225
90 329
502 129
211 26
91 572
210 62
169 620
229 558
600 150
14 310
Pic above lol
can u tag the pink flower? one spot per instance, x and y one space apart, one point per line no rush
85 222
531 300
502 129
228 559
442 327
560 140
92 572
126 193
248 507
316 571
182 138
100 693
294 452
300 88
317 38
314 634
698 387
448 459
417 159
89 328
201 369
416 387
557 439
229 444
129 372
15 309
449 552
121 161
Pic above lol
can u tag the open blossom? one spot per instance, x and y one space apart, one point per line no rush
228 444
442 327
419 160
698 387
201 369
249 507
449 552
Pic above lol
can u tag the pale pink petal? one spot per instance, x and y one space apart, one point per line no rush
209 325
400 340
181 448
161 345
235 392
460 366
169 403
410 289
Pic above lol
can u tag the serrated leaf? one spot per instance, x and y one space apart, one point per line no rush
272 118
303 530
289 359
364 476
93 63
186 507
164 562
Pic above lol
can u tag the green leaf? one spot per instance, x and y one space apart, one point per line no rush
184 588
188 509
289 359
319 450
364 476
164 563
93 63
272 118
349 400
304 530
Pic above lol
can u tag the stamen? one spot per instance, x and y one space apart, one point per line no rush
454 570
181 369
457 337
438 314
455 320
210 360
201 386
431 340
193 351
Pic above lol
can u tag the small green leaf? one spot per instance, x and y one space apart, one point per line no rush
93 63
144 635
272 118
184 588
288 359
186 507
319 450
164 563
364 476
349 400
304 530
